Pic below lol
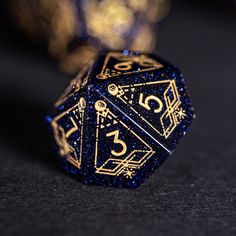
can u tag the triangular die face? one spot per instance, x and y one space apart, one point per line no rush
114 156
68 127
157 103
116 63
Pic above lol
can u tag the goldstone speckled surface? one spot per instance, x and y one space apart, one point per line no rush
118 126
191 194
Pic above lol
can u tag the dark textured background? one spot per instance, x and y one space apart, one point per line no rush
193 193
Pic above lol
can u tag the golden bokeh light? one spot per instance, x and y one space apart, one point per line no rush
113 24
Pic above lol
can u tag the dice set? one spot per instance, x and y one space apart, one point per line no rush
120 118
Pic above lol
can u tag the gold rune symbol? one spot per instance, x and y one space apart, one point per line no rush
117 63
128 172
112 154
169 112
75 118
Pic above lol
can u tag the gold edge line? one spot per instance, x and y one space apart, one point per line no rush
117 167
63 99
175 103
72 130
141 84
96 144
142 151
138 71
107 58
154 82
140 162
81 136
122 167
120 163
133 72
67 111
170 114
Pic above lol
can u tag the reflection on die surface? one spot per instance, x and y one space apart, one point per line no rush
120 119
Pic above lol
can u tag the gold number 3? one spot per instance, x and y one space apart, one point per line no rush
117 141
146 101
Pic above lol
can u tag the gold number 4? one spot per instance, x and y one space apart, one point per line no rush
144 102
117 141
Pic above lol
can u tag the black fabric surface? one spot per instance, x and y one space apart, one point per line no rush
193 193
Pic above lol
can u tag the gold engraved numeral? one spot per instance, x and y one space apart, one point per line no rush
144 102
116 140
127 65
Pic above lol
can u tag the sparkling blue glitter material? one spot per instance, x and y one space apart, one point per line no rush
120 119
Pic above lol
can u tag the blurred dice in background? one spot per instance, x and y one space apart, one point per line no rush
75 31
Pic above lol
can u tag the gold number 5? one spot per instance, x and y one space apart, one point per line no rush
117 141
146 101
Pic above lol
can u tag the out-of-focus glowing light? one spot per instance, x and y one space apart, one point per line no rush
114 24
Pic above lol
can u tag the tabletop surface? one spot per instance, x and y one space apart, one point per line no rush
193 193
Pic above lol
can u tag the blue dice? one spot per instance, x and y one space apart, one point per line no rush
120 118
